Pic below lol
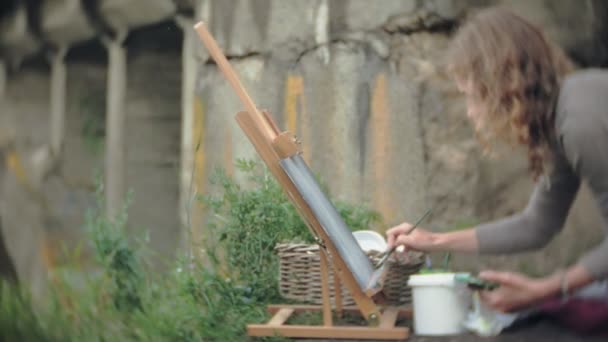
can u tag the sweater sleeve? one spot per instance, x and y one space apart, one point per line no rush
540 221
585 142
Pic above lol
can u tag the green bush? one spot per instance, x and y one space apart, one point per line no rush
198 300
247 223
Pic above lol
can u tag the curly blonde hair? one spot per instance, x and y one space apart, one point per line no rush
515 73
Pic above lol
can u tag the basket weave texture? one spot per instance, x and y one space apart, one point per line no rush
300 275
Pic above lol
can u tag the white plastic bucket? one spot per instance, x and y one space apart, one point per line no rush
440 304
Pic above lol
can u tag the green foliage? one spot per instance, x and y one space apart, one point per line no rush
18 321
198 300
113 251
247 224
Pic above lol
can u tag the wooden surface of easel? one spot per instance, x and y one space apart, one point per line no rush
274 146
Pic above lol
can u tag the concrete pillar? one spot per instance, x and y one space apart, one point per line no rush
6 129
115 162
4 135
322 30
187 145
192 150
2 80
58 100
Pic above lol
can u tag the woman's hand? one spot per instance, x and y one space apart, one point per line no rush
516 291
464 241
419 239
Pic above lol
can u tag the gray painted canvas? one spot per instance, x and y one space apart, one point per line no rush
341 236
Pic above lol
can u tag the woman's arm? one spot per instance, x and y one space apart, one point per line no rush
540 221
543 217
518 291
464 241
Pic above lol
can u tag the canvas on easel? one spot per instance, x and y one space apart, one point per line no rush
281 152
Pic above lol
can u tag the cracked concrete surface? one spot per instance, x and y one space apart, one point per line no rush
356 80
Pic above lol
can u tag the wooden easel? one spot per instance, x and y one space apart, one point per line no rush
273 146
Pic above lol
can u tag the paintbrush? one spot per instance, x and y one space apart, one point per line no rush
388 253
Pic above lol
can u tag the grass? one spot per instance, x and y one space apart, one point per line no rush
211 300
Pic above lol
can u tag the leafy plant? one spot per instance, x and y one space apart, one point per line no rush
113 251
199 300
248 222
18 321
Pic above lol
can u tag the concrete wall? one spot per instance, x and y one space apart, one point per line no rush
38 223
153 126
354 79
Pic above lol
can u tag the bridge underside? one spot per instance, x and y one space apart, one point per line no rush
29 26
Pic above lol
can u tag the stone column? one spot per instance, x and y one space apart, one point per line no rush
188 88
58 99
191 214
115 162
2 80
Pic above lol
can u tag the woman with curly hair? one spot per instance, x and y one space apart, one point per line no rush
522 88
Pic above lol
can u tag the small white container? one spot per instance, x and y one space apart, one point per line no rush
440 304
370 240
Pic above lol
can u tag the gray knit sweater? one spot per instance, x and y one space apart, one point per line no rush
581 154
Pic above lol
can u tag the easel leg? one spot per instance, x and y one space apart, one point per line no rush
327 319
338 293
385 331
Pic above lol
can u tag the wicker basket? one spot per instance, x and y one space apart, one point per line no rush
300 275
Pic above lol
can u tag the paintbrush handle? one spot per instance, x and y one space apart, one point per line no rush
385 257
418 222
